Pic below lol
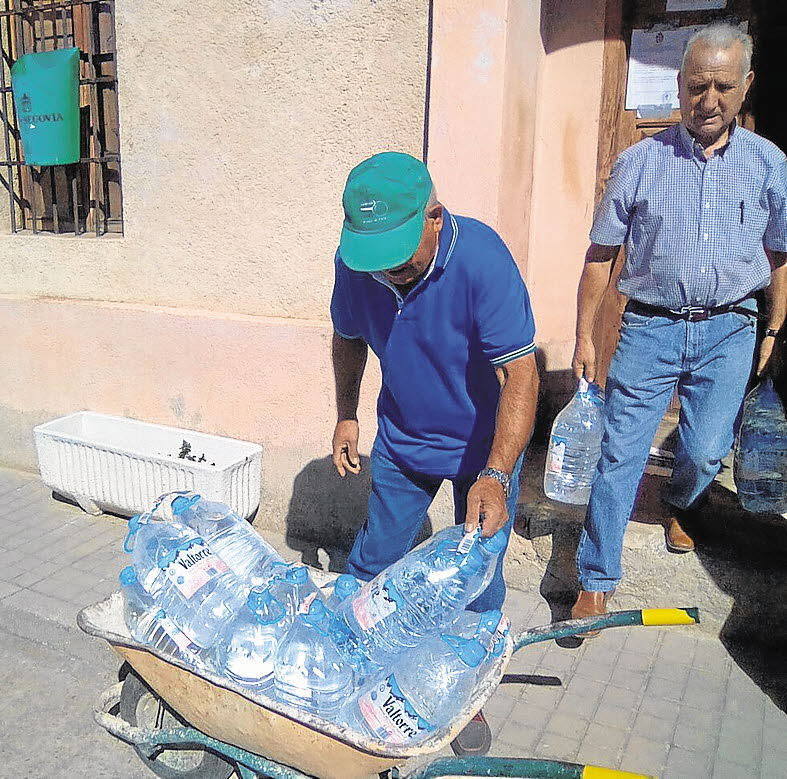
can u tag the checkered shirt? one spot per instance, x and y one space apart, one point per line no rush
695 230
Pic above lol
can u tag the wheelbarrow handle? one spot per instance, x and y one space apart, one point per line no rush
517 767
574 627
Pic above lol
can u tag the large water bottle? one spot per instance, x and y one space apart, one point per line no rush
149 624
292 586
418 594
248 655
343 587
190 583
575 446
429 686
761 451
230 537
310 672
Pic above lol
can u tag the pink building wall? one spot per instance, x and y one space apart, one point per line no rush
513 133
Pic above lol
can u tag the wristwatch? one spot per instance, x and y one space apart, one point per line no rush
499 476
771 333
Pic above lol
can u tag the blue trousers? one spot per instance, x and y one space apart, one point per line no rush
397 510
709 364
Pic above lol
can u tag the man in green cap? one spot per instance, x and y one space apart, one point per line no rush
442 304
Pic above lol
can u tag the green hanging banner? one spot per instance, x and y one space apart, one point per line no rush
45 86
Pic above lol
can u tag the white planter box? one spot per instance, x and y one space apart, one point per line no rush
108 463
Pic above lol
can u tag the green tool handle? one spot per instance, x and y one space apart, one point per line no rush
575 627
517 767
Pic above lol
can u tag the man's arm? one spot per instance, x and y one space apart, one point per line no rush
516 413
776 297
592 285
349 360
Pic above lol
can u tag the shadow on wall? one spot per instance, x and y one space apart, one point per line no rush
325 513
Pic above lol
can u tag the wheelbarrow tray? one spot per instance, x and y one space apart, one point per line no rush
228 712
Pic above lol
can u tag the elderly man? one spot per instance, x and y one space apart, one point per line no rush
441 303
702 208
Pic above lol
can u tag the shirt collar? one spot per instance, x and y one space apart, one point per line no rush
694 149
445 248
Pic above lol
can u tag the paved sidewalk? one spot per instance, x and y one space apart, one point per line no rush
663 702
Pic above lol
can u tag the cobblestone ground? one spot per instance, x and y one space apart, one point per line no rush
662 702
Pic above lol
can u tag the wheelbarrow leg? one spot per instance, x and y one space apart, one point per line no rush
246 773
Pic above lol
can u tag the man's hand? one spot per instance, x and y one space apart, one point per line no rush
584 360
345 447
766 351
488 498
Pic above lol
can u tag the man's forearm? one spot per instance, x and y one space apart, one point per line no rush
349 360
516 412
592 285
776 292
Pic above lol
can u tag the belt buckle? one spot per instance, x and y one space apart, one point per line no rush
695 313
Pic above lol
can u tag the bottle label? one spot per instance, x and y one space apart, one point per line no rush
375 604
468 539
557 453
390 716
192 566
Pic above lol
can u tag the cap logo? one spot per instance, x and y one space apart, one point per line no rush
374 210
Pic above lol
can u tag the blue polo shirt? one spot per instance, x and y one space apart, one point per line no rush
439 346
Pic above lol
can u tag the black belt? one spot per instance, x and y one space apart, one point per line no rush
689 313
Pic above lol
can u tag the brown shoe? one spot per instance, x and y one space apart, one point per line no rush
676 538
590 604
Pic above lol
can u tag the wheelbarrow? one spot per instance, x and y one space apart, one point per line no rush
188 725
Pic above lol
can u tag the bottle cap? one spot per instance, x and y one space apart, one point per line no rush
468 650
133 526
495 544
128 576
489 620
297 574
183 503
316 614
345 585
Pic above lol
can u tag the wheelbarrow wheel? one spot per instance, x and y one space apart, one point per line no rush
141 707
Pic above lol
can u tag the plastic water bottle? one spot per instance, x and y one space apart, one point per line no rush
418 594
428 687
150 625
249 653
191 584
230 537
310 672
292 586
575 446
761 451
343 587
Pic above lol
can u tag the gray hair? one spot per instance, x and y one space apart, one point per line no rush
722 35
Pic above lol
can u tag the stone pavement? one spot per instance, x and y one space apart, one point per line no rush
667 702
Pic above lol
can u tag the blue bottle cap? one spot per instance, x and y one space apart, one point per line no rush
297 574
489 620
317 615
128 576
345 585
133 526
496 543
183 503
468 650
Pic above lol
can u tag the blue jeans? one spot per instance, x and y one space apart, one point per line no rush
709 364
397 511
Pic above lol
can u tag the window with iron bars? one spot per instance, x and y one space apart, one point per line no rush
84 197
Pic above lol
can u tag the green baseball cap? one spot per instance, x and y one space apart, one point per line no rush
384 201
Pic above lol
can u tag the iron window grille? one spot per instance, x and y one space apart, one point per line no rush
85 196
